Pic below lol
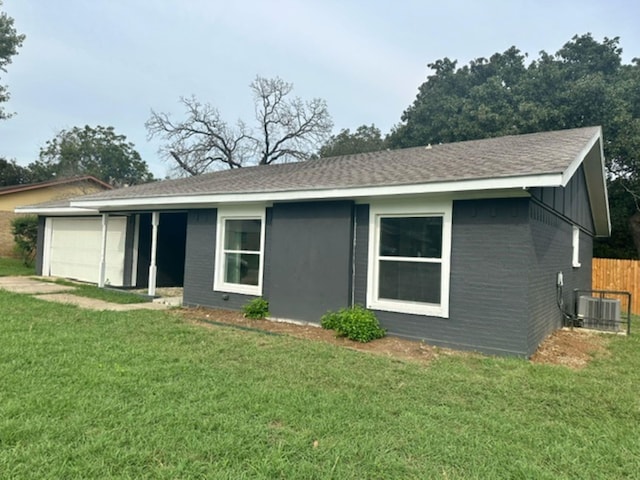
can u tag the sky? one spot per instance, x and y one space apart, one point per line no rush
110 62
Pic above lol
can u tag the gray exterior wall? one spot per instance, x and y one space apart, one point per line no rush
505 257
488 283
200 264
40 244
570 202
309 259
129 250
551 252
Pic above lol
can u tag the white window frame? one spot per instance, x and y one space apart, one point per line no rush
575 245
237 213
426 208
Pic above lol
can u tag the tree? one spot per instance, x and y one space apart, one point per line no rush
10 41
95 151
364 139
583 84
25 234
13 174
286 129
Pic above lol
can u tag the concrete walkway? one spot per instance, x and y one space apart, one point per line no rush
53 292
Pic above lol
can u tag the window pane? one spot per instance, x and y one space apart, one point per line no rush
242 235
412 281
242 268
411 237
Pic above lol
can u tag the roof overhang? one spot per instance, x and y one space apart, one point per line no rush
55 211
196 201
591 157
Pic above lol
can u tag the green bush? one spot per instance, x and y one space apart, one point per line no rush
356 323
257 309
25 234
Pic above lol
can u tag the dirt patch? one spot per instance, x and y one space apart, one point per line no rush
388 346
570 348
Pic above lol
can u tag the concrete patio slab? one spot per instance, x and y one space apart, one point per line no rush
95 304
52 292
30 285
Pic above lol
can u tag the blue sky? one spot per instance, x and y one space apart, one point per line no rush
109 62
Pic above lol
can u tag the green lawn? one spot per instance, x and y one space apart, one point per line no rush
14 266
144 395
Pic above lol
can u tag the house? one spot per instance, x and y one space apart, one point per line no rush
33 193
458 245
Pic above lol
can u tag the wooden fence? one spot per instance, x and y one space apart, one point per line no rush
621 275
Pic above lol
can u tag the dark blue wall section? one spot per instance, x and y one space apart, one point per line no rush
309 259
552 252
199 264
571 202
488 283
40 244
129 250
505 256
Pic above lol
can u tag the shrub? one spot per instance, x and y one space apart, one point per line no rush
25 234
257 309
356 323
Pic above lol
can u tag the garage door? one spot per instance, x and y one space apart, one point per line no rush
73 247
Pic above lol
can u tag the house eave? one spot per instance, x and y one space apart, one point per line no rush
55 211
516 184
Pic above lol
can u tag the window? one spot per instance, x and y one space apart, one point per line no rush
409 253
576 248
239 251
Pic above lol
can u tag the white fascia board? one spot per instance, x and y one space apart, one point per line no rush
575 164
163 202
56 211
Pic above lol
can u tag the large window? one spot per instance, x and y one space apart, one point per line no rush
409 258
239 247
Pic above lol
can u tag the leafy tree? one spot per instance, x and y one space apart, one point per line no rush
93 151
10 41
286 129
13 174
583 84
25 234
364 139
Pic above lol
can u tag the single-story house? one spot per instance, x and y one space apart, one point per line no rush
457 245
27 194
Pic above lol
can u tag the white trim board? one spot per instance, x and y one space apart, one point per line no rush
546 180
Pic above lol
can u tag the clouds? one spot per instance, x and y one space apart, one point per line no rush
109 62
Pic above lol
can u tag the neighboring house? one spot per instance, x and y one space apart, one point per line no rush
458 245
29 194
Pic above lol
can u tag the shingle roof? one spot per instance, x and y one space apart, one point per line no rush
50 183
493 158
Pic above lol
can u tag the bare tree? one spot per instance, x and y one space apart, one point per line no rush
286 129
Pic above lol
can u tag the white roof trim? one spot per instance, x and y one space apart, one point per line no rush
53 211
520 182
575 164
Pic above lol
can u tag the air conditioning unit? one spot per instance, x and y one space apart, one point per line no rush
599 313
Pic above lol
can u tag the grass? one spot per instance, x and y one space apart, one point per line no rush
14 266
144 395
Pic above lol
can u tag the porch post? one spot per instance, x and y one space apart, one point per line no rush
103 251
153 269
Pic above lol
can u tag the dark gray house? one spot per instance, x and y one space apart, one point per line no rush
458 245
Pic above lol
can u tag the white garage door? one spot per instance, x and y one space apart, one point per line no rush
72 248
